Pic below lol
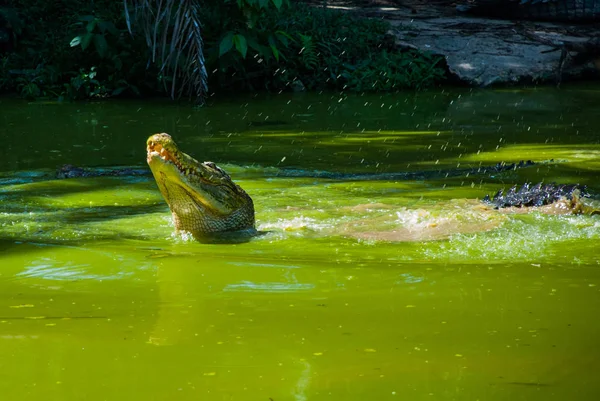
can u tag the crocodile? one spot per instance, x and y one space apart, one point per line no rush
546 10
541 195
71 171
204 201
202 197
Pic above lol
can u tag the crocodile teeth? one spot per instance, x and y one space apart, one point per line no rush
158 150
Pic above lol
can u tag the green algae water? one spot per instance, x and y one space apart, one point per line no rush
378 276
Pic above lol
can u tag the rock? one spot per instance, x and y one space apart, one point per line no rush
484 51
400 44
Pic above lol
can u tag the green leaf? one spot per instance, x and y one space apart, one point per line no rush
273 46
118 91
76 41
100 44
278 3
134 89
91 26
261 50
253 44
108 26
240 44
263 3
226 44
86 39
275 52
284 38
117 63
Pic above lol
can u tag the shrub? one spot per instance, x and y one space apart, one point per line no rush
75 49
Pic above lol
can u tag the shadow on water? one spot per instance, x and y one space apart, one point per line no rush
72 211
48 186
357 133
229 238
107 213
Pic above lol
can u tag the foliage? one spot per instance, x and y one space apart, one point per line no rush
95 31
322 48
172 31
390 71
239 45
75 49
246 29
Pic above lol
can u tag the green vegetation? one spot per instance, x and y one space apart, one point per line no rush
322 48
73 49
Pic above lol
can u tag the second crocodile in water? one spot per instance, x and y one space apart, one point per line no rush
204 200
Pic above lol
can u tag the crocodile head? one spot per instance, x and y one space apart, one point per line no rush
201 196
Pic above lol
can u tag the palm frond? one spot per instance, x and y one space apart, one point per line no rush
173 33
308 53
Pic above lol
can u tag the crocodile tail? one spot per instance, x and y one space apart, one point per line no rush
537 195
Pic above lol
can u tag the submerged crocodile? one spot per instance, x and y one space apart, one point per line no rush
548 10
204 200
71 171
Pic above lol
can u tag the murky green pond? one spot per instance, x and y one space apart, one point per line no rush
368 285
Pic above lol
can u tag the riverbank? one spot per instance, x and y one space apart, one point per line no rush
482 51
335 45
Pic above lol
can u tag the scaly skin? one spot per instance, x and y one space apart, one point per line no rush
201 196
569 196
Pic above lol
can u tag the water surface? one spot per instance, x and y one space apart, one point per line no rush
100 301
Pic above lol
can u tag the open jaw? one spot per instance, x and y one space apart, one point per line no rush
157 150
202 197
